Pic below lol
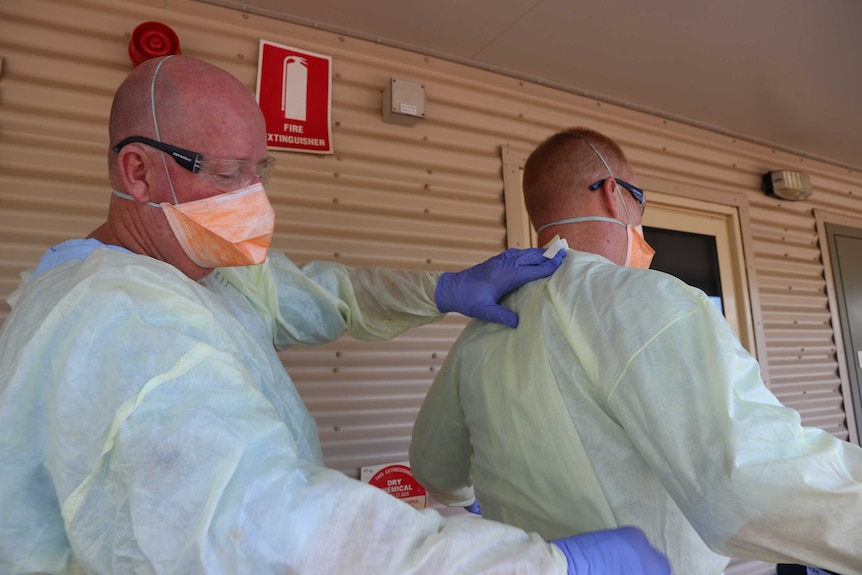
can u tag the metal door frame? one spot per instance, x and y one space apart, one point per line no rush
850 388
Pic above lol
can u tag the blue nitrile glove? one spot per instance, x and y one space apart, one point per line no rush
623 551
474 508
475 292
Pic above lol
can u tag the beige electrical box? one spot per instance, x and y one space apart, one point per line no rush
403 102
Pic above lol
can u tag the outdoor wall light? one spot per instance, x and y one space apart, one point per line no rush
787 185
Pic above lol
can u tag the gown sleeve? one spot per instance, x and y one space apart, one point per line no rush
440 447
321 301
750 478
198 474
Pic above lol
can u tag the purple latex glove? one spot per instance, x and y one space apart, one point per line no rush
474 508
623 551
476 292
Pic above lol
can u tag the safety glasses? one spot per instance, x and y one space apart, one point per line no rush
635 191
223 173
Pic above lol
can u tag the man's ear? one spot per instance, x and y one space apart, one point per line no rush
135 170
609 198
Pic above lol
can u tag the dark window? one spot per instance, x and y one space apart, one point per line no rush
693 258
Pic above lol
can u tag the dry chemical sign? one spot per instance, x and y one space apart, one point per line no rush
396 480
294 91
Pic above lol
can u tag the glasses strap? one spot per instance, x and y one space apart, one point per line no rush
156 123
590 144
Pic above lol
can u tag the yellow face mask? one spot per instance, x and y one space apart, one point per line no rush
233 229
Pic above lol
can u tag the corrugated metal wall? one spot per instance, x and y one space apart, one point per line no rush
426 197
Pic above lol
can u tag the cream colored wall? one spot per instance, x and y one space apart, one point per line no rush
424 197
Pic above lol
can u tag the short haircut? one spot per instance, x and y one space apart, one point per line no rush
565 164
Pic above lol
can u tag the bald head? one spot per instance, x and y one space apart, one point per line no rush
560 170
188 103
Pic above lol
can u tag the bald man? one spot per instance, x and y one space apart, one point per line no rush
146 422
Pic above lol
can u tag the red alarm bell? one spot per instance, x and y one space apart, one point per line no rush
152 40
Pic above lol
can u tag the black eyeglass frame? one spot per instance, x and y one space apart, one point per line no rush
195 162
192 161
634 190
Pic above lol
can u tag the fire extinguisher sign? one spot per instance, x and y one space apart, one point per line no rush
294 90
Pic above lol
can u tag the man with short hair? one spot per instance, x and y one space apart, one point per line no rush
624 398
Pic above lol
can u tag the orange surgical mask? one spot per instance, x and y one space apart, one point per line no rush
639 253
232 229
